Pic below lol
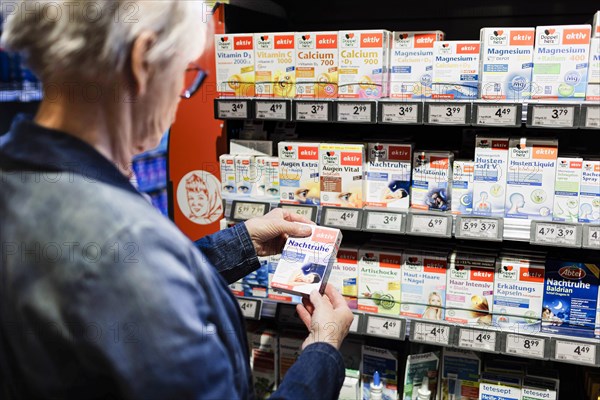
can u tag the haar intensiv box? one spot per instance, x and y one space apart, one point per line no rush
489 182
388 175
589 195
566 189
341 170
456 70
593 88
379 286
463 173
299 173
234 55
316 65
432 180
275 60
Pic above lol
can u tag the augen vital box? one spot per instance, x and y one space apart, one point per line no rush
306 263
299 173
344 274
275 61
341 169
566 189
379 286
593 89
387 177
364 62
245 174
411 64
489 181
589 193
463 173
506 63
227 164
432 180
316 65
455 70
560 62
234 58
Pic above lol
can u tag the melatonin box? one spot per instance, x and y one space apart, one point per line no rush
234 57
275 62
227 165
560 62
379 287
411 64
463 174
506 63
245 174
489 181
299 173
341 170
432 180
387 177
566 189
317 65
456 70
364 63
593 88
306 263
589 195
344 274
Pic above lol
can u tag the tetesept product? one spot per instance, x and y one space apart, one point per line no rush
264 362
364 61
228 185
463 173
245 174
455 70
566 189
341 170
500 386
234 57
299 173
386 363
432 180
419 367
489 181
388 175
593 89
589 195
275 61
306 263
560 62
411 64
460 374
344 274
506 63
290 347
379 286
316 65
539 389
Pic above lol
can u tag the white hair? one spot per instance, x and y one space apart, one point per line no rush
94 37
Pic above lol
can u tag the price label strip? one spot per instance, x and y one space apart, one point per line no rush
309 212
448 113
430 225
312 111
430 333
243 210
251 308
477 339
390 328
355 112
552 116
271 110
400 113
355 326
525 346
232 109
591 237
592 116
347 218
498 115
554 234
580 353
380 221
479 228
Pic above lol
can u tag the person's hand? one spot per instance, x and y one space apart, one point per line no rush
328 317
269 232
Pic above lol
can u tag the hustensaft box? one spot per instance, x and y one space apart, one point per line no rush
462 187
432 180
275 65
299 173
455 70
593 88
341 170
387 177
234 57
489 181
566 189
589 193
317 65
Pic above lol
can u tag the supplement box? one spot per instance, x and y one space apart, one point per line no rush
489 181
234 57
290 347
344 274
274 294
245 174
560 62
566 189
387 175
228 185
275 62
419 366
411 64
589 195
593 89
351 386
539 389
364 59
462 187
432 180
306 263
455 70
379 287
496 386
341 170
269 176
299 173
264 362
460 374
596 24
316 65
386 363
506 63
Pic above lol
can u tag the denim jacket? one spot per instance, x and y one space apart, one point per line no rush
102 297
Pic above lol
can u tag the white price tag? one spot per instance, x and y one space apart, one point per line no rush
525 346
387 327
430 224
232 109
561 116
244 211
312 111
250 308
384 221
549 233
430 333
582 353
355 322
592 117
479 228
399 113
271 110
447 114
354 112
592 241
308 212
342 218
477 339
496 115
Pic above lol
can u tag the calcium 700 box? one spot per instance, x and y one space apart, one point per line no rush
316 65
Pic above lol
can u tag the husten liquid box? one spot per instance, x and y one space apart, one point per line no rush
460 375
566 189
364 62
589 195
388 175
560 62
316 65
506 63
275 61
531 177
344 274
455 70
489 181
379 286
227 164
463 173
234 56
411 64
432 180
245 174
386 363
341 170
593 88
299 173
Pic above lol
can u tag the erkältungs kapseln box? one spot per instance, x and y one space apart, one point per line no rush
455 70
234 57
299 173
489 183
432 180
388 175
566 189
341 170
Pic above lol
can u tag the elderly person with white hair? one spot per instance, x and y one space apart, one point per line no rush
100 296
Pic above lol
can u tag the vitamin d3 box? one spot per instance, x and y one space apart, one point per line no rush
566 189
506 63
227 164
344 274
299 173
306 263
489 182
462 187
455 70
275 60
589 196
364 59
593 88
411 64
432 180
234 56
379 281
316 65
560 62
388 175
341 170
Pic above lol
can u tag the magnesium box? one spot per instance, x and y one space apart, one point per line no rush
344 274
387 177
566 189
364 59
455 70
234 57
460 372
462 187
379 286
275 61
432 180
299 173
245 174
506 63
228 185
316 65
306 263
489 181
589 193
560 62
386 363
593 89
341 170
411 64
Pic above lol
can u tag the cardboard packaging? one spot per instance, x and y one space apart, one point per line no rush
234 57
489 182
317 65
387 175
341 170
275 61
299 173
456 70
432 180
566 189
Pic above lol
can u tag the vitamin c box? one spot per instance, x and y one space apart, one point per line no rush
432 180
455 70
317 65
234 56
566 189
589 196
299 173
593 88
462 187
275 60
341 169
388 175
228 185
379 286
489 182
344 274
